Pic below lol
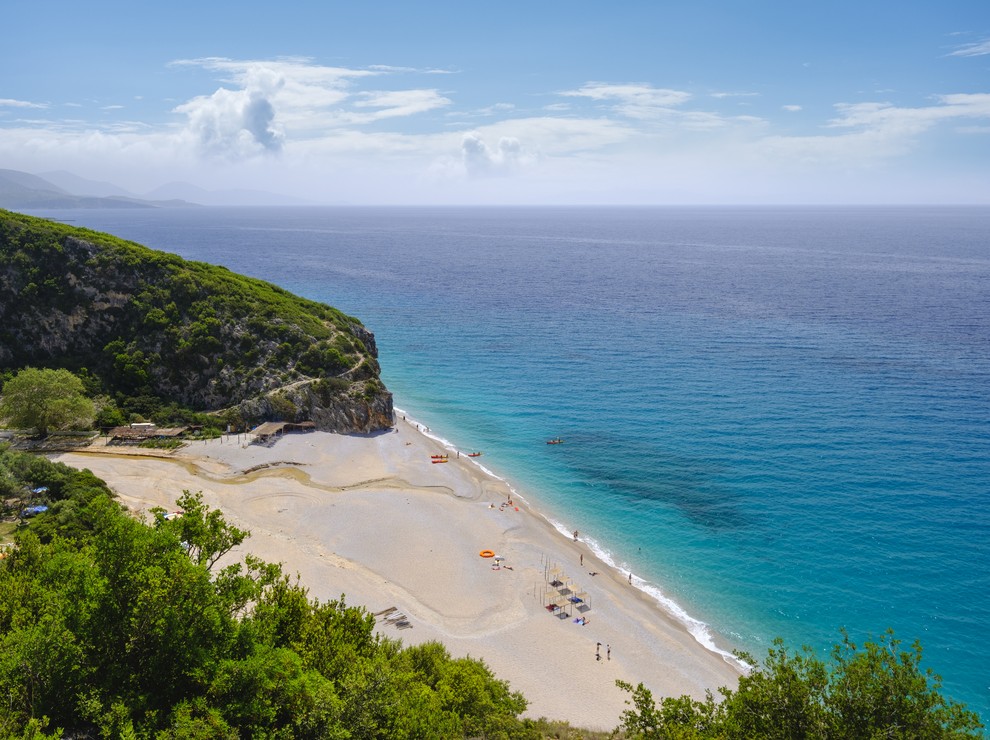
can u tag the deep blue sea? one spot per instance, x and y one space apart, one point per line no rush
778 419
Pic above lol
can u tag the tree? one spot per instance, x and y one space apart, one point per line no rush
875 691
206 535
113 628
45 400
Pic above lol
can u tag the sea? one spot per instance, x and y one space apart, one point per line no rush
777 419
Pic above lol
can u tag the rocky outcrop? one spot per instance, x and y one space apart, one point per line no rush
344 411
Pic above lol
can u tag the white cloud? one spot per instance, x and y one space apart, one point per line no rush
720 95
272 103
876 131
481 160
234 123
887 117
395 103
977 49
632 100
390 69
10 103
492 110
334 127
660 106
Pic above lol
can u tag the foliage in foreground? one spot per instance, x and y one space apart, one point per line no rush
877 691
113 628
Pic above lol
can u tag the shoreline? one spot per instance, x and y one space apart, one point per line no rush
699 629
370 517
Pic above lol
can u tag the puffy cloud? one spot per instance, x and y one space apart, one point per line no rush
233 123
481 160
791 108
270 103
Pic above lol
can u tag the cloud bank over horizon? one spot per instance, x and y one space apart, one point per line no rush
406 133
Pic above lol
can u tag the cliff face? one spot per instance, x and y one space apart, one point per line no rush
150 325
311 400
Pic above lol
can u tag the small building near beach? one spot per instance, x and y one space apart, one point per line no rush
137 433
271 430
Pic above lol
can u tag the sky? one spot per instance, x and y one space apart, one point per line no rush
647 102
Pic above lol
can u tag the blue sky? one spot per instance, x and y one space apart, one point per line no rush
552 102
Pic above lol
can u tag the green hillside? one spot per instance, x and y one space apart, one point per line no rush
155 331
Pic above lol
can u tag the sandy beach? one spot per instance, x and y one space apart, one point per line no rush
373 518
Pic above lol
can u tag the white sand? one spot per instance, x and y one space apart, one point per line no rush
371 517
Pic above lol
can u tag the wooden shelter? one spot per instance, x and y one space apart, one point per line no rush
135 434
271 429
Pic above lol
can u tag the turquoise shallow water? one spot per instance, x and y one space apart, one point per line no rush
777 419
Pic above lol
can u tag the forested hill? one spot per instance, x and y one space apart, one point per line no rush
153 331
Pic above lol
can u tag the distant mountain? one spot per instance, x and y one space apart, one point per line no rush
14 180
76 185
20 190
233 197
61 189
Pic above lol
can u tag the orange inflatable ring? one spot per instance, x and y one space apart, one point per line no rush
487 554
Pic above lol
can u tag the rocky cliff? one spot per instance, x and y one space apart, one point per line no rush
152 329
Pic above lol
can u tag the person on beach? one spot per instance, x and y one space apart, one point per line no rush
630 579
575 535
608 651
582 559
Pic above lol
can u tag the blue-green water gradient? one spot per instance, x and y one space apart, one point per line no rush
778 419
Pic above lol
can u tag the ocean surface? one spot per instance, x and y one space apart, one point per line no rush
778 419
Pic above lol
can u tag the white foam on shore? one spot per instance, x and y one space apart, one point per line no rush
699 630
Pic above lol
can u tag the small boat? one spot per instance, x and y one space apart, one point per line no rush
474 454
439 460
439 457
555 441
